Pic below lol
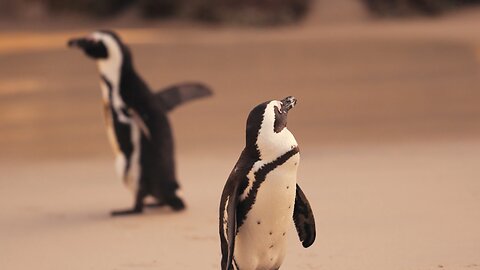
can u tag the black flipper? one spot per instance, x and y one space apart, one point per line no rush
232 226
172 96
228 224
303 219
228 206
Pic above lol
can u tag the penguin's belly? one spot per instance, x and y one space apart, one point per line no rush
125 141
112 138
261 240
133 170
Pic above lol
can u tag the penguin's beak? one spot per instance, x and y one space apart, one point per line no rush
288 103
82 43
92 47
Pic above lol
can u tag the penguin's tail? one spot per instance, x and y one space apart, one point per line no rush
174 95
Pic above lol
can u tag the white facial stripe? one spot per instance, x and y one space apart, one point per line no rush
270 143
110 67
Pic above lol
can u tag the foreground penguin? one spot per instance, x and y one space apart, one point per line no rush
136 120
261 196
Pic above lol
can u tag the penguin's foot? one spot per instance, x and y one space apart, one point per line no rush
154 205
176 204
133 211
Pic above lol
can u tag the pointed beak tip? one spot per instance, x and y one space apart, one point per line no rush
294 100
80 42
72 43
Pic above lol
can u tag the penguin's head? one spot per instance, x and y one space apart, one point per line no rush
104 46
267 132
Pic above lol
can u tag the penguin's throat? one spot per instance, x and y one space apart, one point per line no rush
273 145
111 70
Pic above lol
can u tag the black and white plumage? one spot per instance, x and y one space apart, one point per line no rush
136 121
261 195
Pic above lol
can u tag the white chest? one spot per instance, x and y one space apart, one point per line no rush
261 240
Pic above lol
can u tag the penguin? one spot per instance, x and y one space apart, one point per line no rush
261 197
136 120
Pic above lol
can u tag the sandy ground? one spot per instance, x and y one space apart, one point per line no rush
388 122
403 206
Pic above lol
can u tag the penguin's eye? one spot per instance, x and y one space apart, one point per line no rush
97 49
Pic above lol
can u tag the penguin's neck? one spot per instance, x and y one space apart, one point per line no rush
271 144
110 71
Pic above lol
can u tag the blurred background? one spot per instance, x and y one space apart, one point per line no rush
388 122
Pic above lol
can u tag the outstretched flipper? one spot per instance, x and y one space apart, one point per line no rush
178 94
303 219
